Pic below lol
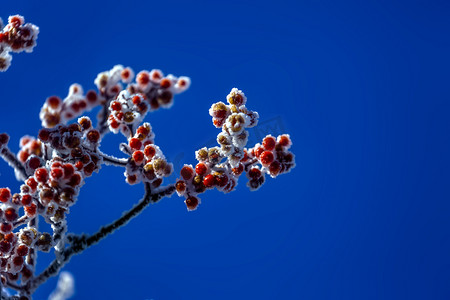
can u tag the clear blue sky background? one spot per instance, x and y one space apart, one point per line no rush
361 86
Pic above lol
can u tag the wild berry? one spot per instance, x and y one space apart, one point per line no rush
41 175
93 136
10 214
26 199
269 143
187 172
254 173
180 186
201 169
5 194
192 203
22 250
266 157
209 181
138 157
135 144
149 151
31 182
284 140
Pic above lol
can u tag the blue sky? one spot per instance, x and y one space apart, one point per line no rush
361 87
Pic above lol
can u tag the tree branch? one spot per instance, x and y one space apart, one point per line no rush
12 160
82 242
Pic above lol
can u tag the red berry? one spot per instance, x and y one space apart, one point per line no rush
89 169
15 21
30 210
115 105
269 143
10 214
44 135
4 139
5 246
266 157
201 169
114 124
54 102
75 180
187 172
125 74
165 83
209 181
138 157
136 100
68 170
5 194
180 186
191 203
93 136
41 175
5 227
144 130
259 151
26 199
22 250
254 173
56 173
135 144
91 96
18 260
79 165
274 168
34 162
221 180
23 155
143 78
284 140
149 151
31 182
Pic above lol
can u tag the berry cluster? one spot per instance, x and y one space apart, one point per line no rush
56 111
233 119
16 36
126 112
271 157
157 89
15 246
147 162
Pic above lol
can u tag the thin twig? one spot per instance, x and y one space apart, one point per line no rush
113 161
12 160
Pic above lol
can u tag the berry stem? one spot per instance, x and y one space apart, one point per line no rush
12 160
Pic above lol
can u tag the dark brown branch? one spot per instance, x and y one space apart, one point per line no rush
82 242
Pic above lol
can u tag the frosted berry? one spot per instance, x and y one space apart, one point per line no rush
10 214
191 203
149 151
187 172
269 143
93 136
41 175
209 181
135 144
266 157
201 169
5 194
284 140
